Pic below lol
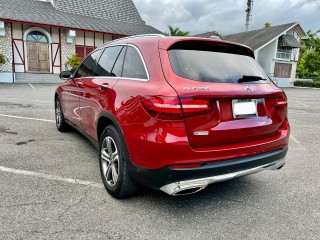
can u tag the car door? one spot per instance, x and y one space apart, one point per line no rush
98 91
72 91
70 101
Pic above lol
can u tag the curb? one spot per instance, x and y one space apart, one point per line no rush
307 88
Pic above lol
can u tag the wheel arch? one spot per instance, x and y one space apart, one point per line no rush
105 119
57 94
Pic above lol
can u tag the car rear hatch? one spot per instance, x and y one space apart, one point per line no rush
225 96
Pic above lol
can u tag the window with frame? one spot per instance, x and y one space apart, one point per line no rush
133 66
37 36
282 70
83 51
87 66
107 61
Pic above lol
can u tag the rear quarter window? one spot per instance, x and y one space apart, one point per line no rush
133 66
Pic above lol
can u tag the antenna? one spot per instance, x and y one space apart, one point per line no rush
249 15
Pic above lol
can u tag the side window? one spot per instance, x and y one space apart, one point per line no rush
133 66
87 66
107 61
117 68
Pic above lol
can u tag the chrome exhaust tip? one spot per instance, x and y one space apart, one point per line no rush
181 188
187 191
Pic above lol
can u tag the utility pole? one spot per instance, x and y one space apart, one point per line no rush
249 15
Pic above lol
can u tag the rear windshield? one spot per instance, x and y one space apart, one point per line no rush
208 66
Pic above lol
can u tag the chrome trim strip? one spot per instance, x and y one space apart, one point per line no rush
106 77
135 79
201 183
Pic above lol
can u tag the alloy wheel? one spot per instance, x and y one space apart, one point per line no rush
110 161
58 112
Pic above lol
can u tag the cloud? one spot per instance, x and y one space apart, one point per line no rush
227 16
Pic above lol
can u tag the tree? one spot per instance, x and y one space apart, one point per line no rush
313 41
267 24
176 32
309 60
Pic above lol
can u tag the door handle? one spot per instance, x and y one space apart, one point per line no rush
104 86
79 84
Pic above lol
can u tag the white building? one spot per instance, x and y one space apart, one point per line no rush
276 49
38 36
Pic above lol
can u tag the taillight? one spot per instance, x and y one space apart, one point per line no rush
281 101
170 108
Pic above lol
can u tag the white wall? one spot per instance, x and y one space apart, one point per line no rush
293 71
283 82
99 39
79 39
266 55
17 33
91 39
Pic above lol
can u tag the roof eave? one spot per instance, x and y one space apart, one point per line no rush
302 33
292 26
59 26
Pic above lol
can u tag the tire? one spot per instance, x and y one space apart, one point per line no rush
61 124
114 164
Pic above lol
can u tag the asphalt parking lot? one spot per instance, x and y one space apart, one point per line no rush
50 186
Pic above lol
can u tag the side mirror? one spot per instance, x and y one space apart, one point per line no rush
65 75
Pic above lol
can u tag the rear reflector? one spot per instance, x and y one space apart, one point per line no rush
170 108
281 101
195 165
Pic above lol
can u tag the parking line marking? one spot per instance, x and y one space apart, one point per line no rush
32 86
296 141
305 105
23 99
299 100
28 118
51 177
303 125
304 113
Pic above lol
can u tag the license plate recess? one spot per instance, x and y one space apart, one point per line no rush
244 108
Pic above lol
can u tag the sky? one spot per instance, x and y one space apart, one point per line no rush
227 16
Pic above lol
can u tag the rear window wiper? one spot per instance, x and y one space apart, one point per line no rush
246 78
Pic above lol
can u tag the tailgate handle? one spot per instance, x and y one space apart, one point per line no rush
104 86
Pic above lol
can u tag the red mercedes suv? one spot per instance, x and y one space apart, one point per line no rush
174 113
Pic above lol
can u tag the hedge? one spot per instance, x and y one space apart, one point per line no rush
315 84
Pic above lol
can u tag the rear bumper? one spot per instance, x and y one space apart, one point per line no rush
173 181
157 146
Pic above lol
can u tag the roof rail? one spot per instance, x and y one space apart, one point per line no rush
137 36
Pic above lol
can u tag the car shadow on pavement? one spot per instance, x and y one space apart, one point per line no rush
215 196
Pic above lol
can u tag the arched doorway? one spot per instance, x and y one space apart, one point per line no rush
38 52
